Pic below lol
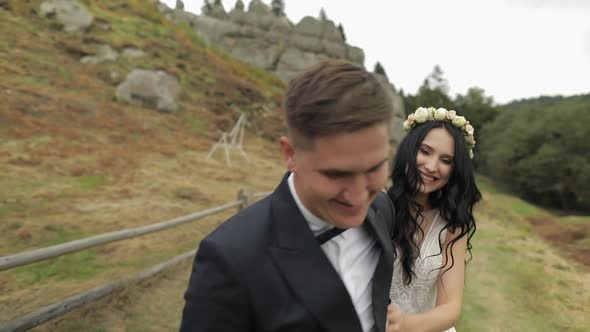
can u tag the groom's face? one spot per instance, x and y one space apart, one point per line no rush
338 178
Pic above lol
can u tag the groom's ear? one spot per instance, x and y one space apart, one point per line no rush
288 153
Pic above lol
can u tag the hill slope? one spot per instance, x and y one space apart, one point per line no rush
74 162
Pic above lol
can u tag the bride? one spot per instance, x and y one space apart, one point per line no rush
434 192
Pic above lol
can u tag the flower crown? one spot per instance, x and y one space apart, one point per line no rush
422 114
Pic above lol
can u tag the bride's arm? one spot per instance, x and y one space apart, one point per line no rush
449 294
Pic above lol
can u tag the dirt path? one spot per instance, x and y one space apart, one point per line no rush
573 240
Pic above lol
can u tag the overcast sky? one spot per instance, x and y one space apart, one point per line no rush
511 48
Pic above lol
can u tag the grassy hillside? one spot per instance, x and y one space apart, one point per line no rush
516 280
74 163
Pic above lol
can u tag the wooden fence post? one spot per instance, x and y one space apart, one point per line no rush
243 199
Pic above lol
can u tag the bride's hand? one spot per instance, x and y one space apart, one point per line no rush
395 319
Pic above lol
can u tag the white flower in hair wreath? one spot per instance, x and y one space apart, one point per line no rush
423 114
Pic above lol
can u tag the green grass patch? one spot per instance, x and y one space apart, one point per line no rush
89 182
191 34
524 209
195 125
57 234
4 209
78 266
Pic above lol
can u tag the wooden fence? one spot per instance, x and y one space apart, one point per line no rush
55 310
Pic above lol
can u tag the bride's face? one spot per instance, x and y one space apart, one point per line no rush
435 160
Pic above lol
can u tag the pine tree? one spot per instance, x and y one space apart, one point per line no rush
323 16
239 5
341 29
207 7
437 81
379 69
278 7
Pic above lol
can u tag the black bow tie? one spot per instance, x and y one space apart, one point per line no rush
329 234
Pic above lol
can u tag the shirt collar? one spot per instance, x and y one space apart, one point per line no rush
316 225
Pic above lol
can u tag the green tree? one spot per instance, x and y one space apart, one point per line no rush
479 110
341 29
437 81
207 7
218 3
323 16
432 93
540 150
379 69
278 7
239 5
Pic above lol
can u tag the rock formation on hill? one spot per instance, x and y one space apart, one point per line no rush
274 43
259 37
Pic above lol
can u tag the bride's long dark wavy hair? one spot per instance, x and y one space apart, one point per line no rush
455 200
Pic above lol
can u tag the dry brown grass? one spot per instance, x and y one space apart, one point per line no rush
159 189
75 163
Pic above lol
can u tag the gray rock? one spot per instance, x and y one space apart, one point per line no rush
154 89
249 49
71 14
259 8
309 26
105 53
131 52
180 16
214 30
355 54
293 61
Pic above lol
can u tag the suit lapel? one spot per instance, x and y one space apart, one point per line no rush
306 268
376 225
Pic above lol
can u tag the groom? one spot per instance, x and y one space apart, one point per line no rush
315 255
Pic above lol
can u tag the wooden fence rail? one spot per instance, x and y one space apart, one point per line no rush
25 258
55 310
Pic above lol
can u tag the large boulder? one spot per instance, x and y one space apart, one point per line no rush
153 89
259 8
293 61
70 13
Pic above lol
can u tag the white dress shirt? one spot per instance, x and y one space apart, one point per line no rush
353 255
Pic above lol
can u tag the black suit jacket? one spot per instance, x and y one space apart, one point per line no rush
262 270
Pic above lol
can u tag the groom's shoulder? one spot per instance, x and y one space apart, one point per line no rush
244 229
384 206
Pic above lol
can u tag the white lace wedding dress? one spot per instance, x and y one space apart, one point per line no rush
420 295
